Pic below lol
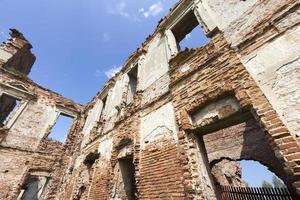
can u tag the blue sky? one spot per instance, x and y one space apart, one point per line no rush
80 43
60 130
254 173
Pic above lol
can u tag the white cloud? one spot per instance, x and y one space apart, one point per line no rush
119 9
153 10
109 73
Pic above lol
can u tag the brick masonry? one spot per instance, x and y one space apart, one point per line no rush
199 113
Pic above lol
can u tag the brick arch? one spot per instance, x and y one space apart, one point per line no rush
245 141
282 143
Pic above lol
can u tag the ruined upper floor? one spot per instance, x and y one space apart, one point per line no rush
242 82
147 73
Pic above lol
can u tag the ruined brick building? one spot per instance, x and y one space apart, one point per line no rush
173 123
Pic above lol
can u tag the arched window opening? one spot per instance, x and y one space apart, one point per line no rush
237 156
84 178
248 179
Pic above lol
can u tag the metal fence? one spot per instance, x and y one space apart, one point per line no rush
254 193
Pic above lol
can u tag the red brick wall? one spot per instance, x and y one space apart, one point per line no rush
244 141
215 70
100 184
160 172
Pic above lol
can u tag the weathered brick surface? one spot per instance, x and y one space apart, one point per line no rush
100 184
180 129
160 172
211 78
17 53
244 141
24 147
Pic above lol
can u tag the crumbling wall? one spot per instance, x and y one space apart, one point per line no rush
275 66
158 155
155 63
24 148
37 115
193 115
228 172
15 54
93 117
226 12
207 79
102 176
245 141
182 93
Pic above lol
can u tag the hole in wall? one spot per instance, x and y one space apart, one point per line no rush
133 80
194 39
33 187
226 146
188 33
8 106
104 100
91 159
60 130
128 175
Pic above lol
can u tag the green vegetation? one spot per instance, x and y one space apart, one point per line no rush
276 183
266 184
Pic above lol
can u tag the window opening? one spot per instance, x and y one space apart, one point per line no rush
60 130
91 159
33 188
230 176
8 106
128 175
132 87
104 100
188 33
